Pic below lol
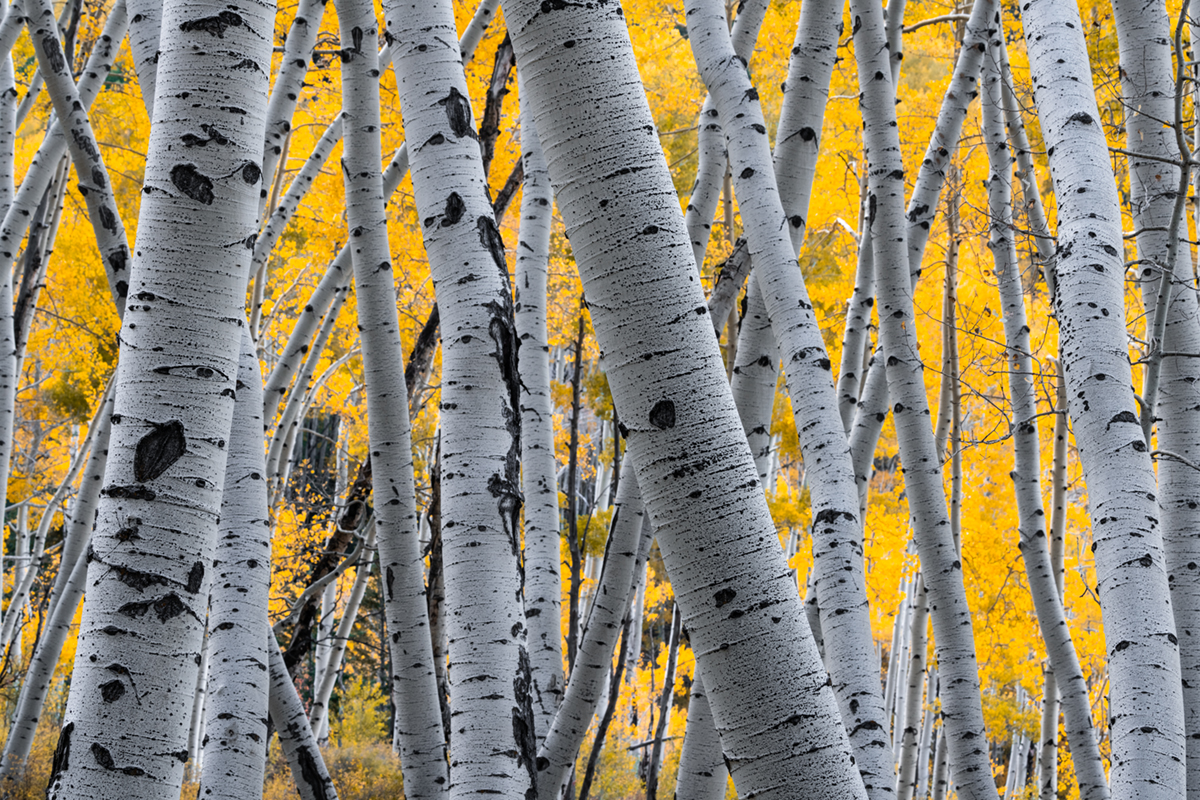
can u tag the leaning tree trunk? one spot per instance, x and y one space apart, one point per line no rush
1147 709
1148 85
837 534
1039 570
940 564
494 745
543 585
234 748
420 735
668 381
134 674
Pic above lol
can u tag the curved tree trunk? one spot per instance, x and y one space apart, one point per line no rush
1147 709
134 674
607 166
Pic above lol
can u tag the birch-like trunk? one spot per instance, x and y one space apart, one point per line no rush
1147 708
837 541
420 737
683 436
235 717
1148 86
125 732
494 744
1026 474
940 564
543 585
295 733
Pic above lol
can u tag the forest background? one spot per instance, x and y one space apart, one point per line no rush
72 354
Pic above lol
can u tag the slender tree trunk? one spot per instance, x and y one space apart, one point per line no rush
650 324
573 544
543 584
495 746
295 733
157 521
1147 708
1039 570
941 567
666 699
414 689
911 731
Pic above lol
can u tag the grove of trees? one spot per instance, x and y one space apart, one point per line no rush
585 399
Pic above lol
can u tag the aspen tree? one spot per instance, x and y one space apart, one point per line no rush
494 744
941 567
420 736
736 595
1147 709
1039 571
543 585
1148 83
134 675
836 531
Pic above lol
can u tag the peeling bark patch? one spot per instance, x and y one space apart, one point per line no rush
1124 416
724 596
215 25
490 237
458 112
62 755
136 579
251 173
108 220
191 182
662 416
158 450
54 54
112 691
169 606
522 720
214 137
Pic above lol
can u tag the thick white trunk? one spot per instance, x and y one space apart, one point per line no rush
235 743
494 744
684 439
125 733
1147 708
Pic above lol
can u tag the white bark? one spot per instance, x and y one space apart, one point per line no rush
145 27
910 721
941 568
702 774
1147 709
94 182
1039 570
677 414
836 532
235 742
420 736
543 585
295 733
157 524
623 556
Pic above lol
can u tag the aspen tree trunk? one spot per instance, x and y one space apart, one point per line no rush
495 747
1026 474
910 720
295 733
235 747
420 736
702 774
625 552
64 600
665 701
607 165
941 568
1148 85
145 27
94 182
837 541
143 623
1147 709
543 587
